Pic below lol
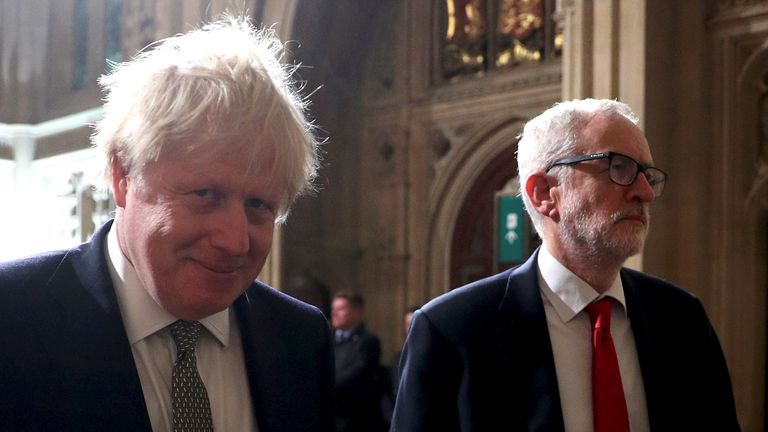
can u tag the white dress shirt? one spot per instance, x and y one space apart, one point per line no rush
565 298
219 352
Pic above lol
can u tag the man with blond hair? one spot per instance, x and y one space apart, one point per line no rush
570 340
157 323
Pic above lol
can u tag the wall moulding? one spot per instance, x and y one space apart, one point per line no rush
525 77
727 5
736 14
740 249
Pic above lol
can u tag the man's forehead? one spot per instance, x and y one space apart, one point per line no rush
608 123
247 145
252 156
615 133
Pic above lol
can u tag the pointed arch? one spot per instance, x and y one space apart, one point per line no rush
452 186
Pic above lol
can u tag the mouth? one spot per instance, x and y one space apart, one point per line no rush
219 268
636 215
635 218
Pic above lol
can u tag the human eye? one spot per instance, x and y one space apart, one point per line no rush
256 203
259 210
201 199
653 177
203 193
205 197
623 163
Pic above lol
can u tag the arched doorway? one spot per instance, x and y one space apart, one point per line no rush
472 249
461 230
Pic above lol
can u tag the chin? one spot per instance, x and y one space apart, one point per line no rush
628 249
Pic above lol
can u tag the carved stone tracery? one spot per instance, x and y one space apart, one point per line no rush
722 5
758 193
741 179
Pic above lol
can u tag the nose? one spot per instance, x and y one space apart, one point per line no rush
641 189
230 233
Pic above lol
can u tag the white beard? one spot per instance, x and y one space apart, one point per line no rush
586 231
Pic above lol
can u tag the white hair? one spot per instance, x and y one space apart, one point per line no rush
555 134
223 80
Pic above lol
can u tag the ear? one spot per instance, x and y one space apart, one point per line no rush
119 182
539 188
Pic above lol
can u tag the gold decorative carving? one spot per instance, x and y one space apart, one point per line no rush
520 18
519 32
464 51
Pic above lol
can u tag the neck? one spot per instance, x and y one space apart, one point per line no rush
599 272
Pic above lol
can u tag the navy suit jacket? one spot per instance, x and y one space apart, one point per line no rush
66 363
479 358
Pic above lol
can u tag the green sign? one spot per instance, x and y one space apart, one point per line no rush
510 228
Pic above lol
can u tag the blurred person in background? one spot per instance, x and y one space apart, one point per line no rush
358 370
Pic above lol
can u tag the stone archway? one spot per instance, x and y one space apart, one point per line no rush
451 188
472 250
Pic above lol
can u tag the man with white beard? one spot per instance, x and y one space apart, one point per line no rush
570 340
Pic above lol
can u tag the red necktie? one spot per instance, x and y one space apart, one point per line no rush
608 404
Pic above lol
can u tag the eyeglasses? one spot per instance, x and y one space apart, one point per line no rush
622 169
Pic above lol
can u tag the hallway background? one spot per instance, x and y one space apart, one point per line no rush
421 103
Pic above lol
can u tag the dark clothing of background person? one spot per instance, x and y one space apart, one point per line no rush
357 393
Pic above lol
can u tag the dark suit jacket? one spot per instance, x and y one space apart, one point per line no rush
357 369
479 359
66 364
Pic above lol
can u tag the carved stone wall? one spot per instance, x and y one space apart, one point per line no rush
740 50
423 147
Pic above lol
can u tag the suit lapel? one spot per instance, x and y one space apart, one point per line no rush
90 342
251 338
526 352
264 366
648 352
290 370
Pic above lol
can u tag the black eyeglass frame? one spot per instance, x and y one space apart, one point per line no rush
610 155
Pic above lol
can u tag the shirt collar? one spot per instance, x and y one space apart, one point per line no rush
568 293
142 316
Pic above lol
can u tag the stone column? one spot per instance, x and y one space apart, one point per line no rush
604 55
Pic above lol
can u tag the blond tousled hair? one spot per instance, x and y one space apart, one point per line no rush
226 79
